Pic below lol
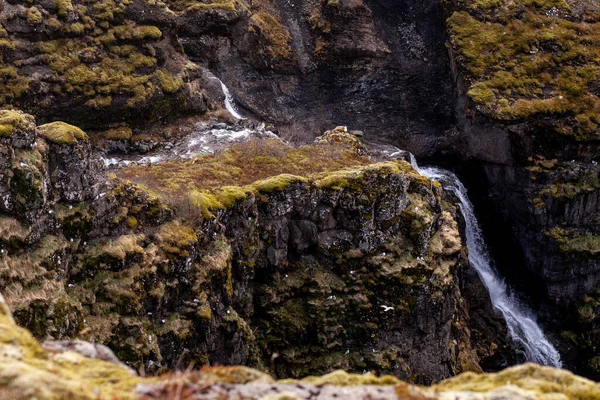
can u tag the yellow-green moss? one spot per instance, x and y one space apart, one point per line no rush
531 380
122 247
197 5
574 242
277 37
210 183
122 133
65 7
12 84
530 58
62 133
342 378
34 16
177 238
12 121
27 371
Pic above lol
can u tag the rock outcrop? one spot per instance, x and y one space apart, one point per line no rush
294 260
27 370
357 62
77 61
518 95
527 110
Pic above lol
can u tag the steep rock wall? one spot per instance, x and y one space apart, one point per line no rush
527 113
84 371
354 267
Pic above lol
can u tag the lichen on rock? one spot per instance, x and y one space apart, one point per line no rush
82 370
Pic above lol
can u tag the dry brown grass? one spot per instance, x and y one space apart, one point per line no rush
240 165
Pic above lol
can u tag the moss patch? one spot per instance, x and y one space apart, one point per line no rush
214 182
62 133
530 58
12 121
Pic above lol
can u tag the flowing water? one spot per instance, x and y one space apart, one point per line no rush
229 101
521 324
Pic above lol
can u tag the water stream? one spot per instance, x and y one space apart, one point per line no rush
229 101
521 324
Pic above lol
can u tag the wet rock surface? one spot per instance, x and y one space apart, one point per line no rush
205 138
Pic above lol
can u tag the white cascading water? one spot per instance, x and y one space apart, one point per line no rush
522 327
229 102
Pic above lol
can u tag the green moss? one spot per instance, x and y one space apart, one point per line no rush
168 82
122 133
29 371
277 39
34 16
575 242
212 183
176 238
121 248
12 85
341 378
100 57
529 379
12 121
204 6
481 94
65 7
521 60
62 133
276 183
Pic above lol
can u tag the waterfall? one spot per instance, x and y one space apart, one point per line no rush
522 327
229 102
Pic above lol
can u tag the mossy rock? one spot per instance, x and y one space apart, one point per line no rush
529 59
13 121
62 133
121 133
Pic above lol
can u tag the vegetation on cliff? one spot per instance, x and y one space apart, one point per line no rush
217 181
531 58
91 53
166 263
28 370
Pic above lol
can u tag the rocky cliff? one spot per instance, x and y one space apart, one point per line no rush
293 260
527 78
80 370
515 92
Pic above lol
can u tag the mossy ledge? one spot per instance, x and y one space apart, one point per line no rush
62 133
216 182
29 371
530 59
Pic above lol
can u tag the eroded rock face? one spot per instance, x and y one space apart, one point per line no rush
354 267
94 64
29 371
362 63
537 148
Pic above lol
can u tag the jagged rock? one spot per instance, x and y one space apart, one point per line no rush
29 371
74 173
354 264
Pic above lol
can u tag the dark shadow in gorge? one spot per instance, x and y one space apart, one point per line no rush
504 247
422 95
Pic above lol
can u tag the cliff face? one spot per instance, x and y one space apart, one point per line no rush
84 371
360 63
78 60
345 264
527 77
306 66
518 94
